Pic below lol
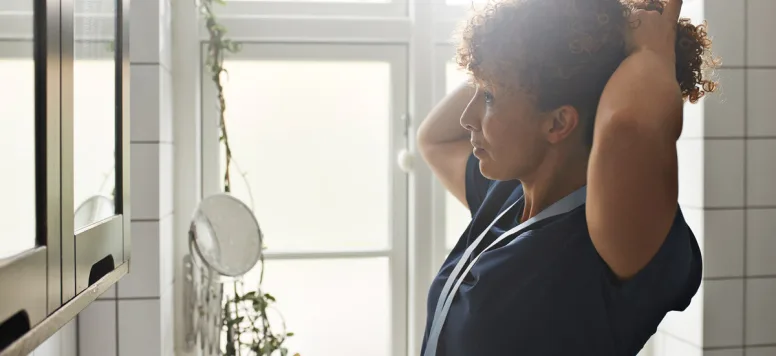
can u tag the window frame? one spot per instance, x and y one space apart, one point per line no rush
442 53
261 8
420 31
395 56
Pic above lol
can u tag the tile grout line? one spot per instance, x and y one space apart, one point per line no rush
728 138
732 347
116 304
159 219
165 142
160 142
746 169
731 208
131 298
746 66
164 66
735 278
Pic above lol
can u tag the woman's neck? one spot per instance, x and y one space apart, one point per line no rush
553 180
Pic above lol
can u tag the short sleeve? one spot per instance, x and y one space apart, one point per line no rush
668 283
674 274
476 184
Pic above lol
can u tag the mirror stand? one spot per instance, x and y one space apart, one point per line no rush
202 295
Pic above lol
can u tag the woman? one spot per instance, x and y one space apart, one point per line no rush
601 252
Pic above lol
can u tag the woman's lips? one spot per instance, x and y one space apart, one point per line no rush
478 150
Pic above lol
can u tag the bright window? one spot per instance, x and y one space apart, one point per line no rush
308 114
457 216
322 100
315 131
323 1
334 306
465 2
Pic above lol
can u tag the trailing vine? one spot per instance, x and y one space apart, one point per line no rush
246 323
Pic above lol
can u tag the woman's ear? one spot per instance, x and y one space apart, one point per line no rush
562 122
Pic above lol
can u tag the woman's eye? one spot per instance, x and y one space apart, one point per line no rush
488 97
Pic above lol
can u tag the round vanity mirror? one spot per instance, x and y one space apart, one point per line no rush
225 236
94 209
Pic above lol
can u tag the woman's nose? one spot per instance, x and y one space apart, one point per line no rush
471 117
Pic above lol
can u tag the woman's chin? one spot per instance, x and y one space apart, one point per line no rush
488 170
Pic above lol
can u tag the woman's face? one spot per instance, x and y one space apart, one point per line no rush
508 133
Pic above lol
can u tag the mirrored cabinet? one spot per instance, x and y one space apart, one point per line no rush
64 154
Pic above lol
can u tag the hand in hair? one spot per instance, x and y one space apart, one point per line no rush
654 27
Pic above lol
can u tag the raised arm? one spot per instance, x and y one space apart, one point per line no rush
444 143
632 173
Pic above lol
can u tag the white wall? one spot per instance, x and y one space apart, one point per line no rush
63 343
729 195
135 317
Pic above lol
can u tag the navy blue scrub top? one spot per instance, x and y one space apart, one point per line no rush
549 292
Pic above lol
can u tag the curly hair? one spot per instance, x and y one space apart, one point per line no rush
564 51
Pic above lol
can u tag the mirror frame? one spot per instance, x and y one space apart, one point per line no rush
51 283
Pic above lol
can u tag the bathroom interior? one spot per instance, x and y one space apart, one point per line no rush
117 160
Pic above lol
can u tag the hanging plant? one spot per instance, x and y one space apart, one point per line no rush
246 314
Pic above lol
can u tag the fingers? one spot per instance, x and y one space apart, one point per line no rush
672 10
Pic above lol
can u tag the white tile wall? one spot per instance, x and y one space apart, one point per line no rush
724 173
109 294
761 89
760 30
761 172
97 331
693 125
761 311
63 343
724 109
145 105
166 262
723 313
724 352
686 325
143 280
135 318
724 243
146 198
674 346
727 29
690 172
760 285
735 191
139 327
166 309
144 31
761 242
761 351
165 179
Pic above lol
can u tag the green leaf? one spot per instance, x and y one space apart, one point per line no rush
269 297
289 334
